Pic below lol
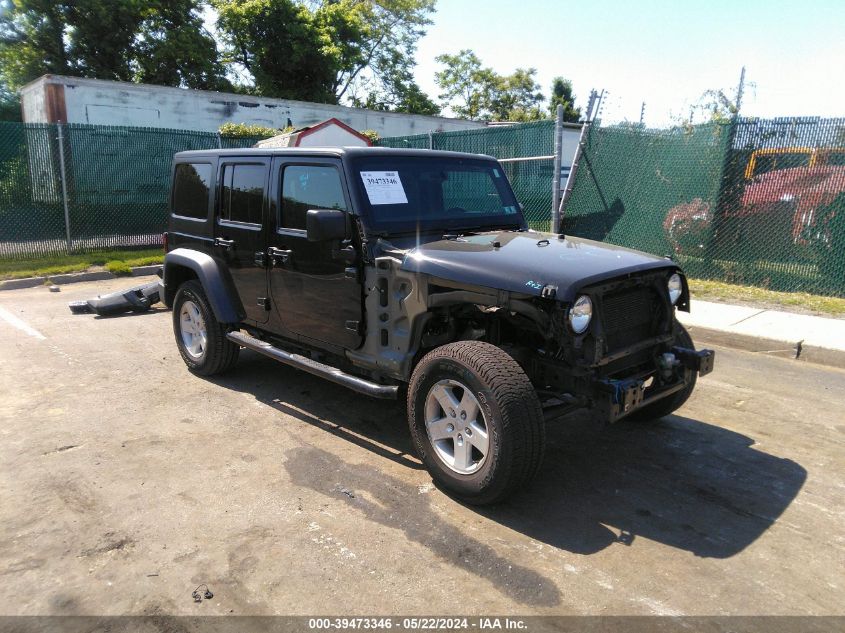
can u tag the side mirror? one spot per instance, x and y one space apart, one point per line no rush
323 225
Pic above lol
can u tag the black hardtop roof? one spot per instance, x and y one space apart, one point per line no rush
340 152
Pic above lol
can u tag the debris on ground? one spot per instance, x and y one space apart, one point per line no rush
198 595
135 299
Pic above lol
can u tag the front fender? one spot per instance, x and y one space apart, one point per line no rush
215 281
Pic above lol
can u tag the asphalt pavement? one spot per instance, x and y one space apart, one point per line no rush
126 482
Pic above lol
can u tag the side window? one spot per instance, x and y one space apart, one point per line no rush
242 193
191 182
307 187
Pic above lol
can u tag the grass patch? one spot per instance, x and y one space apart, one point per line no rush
731 293
120 260
118 267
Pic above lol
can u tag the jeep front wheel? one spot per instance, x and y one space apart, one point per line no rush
201 339
476 421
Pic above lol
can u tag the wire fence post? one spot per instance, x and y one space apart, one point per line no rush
219 141
556 169
430 139
63 179
570 179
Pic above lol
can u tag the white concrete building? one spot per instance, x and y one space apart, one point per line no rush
58 99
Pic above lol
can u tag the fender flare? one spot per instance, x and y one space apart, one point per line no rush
215 281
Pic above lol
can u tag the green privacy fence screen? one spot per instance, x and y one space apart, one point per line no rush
116 183
750 201
754 202
758 202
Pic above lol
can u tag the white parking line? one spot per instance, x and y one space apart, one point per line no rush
14 321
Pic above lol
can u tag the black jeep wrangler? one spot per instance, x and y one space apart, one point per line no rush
381 268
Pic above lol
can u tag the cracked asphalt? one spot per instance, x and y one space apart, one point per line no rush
126 482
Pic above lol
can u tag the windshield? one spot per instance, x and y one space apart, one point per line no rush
408 193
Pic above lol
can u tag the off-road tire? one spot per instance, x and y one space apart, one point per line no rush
220 353
669 404
512 412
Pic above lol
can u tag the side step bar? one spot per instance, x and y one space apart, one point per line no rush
361 385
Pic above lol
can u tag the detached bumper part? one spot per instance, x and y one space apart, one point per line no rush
135 299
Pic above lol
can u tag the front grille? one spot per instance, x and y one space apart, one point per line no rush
629 316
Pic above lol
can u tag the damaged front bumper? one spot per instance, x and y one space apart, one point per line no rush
613 399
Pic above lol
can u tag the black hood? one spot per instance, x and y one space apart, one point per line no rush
526 262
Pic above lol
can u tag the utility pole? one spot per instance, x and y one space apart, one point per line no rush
642 114
740 89
63 169
556 169
599 99
591 102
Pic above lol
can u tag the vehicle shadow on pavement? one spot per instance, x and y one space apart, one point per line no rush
393 503
152 310
380 427
678 481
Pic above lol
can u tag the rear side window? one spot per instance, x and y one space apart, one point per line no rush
307 187
191 183
242 193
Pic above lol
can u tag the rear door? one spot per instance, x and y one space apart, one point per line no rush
240 237
315 285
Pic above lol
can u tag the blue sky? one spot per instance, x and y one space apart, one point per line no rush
664 53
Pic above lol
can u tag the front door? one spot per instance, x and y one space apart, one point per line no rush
239 236
315 287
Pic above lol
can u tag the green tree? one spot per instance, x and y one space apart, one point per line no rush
10 105
717 105
108 39
101 37
175 49
562 94
473 91
467 86
399 93
327 50
32 41
388 32
517 97
278 43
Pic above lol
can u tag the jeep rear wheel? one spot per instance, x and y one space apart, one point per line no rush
475 421
201 339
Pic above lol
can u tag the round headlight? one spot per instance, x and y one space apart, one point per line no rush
580 314
675 288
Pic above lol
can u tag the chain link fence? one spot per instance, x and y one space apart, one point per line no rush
756 202
83 187
753 202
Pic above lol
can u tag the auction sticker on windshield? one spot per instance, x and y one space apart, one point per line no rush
384 187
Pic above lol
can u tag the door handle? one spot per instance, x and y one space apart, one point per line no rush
279 254
227 244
